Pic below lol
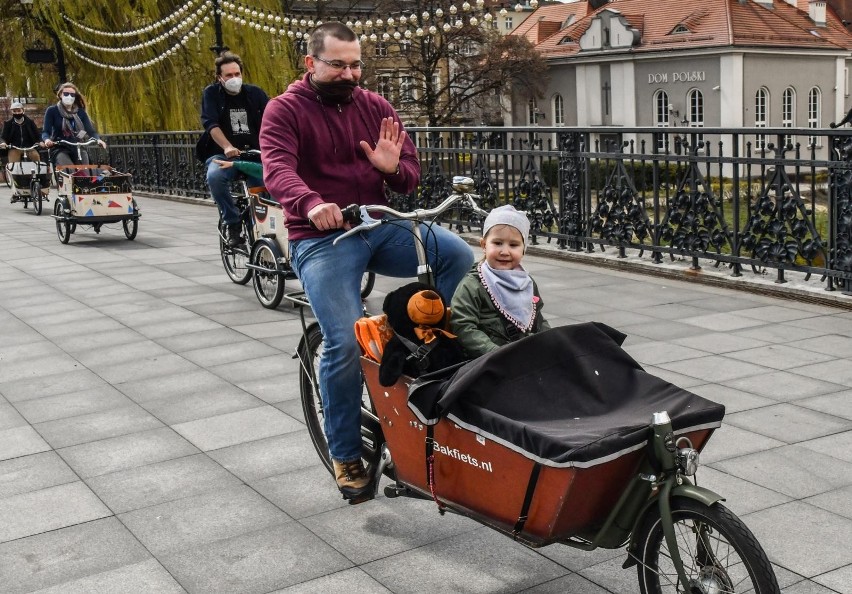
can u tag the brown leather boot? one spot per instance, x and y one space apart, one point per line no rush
353 481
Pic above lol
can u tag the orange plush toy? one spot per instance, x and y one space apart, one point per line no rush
421 343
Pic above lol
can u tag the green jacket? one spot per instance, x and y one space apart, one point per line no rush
250 168
480 327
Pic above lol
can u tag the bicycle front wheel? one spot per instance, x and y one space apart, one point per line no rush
234 259
719 553
35 195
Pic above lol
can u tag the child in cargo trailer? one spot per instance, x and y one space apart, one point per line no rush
497 302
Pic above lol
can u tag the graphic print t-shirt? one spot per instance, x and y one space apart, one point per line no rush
235 122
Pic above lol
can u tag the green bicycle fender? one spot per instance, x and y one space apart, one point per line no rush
687 491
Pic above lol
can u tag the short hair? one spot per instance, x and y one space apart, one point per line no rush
333 29
227 58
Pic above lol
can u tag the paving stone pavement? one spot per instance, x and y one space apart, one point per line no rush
151 437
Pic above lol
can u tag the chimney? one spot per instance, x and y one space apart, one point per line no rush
816 10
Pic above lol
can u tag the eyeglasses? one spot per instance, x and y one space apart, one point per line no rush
64 94
341 65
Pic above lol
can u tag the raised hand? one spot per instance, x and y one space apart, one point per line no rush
385 157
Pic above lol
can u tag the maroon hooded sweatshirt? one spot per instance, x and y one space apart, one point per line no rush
311 153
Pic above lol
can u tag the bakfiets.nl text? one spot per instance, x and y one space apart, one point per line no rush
458 455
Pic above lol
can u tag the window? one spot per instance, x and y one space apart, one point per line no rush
760 117
383 86
508 23
381 49
661 119
558 110
695 100
788 112
532 113
814 113
681 29
468 48
407 92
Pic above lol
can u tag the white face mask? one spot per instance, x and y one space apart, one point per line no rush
233 85
68 101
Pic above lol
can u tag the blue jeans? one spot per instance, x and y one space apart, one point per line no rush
331 276
219 181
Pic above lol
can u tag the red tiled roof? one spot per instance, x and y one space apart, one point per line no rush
548 20
711 23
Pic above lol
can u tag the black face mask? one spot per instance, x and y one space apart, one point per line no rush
18 118
339 91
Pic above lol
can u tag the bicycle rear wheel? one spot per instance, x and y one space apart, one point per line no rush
309 352
367 283
269 282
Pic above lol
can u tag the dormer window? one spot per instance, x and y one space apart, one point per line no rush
569 21
680 29
566 39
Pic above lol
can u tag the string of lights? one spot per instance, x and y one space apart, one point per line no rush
185 23
147 63
136 32
397 27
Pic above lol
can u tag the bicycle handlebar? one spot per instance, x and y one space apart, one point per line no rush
355 213
76 144
20 148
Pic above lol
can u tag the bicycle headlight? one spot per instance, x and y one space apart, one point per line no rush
687 460
687 457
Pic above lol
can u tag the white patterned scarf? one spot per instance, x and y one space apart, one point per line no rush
511 292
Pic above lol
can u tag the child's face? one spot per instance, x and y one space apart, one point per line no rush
504 247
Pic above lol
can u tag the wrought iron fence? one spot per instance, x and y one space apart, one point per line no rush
745 198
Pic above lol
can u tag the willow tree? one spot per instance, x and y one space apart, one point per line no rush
142 63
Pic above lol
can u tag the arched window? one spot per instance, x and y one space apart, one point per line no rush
558 110
814 113
532 113
661 119
695 100
695 103
788 111
761 100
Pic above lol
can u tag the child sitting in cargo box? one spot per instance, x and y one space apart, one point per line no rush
497 301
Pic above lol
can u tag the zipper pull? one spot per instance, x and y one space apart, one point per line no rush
339 110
